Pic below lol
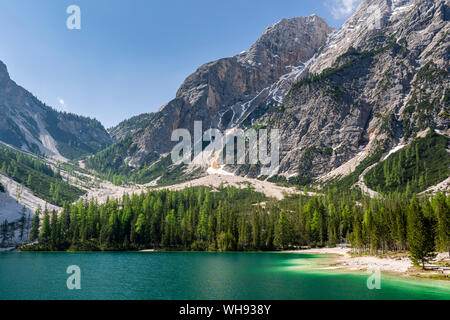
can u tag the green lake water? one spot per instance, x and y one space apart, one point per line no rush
195 275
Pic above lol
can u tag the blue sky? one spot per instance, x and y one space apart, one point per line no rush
131 56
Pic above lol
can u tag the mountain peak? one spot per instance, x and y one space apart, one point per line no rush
291 41
225 92
4 74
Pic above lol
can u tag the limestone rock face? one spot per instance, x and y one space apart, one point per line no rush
374 85
223 93
28 124
336 96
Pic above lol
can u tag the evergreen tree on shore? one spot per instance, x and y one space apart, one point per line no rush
34 233
420 236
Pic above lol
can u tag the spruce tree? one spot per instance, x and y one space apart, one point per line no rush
282 231
22 223
44 235
442 212
34 233
420 236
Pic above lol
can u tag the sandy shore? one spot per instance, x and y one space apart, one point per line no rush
345 261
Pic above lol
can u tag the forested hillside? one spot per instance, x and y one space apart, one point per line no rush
425 162
37 176
108 163
240 219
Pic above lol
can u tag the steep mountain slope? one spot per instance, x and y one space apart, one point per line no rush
130 126
414 168
370 89
340 99
223 93
30 125
38 176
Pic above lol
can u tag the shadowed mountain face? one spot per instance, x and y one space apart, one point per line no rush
30 125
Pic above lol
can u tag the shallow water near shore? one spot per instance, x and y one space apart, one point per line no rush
197 275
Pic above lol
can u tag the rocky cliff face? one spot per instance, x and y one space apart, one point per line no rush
337 97
130 126
375 85
30 125
223 93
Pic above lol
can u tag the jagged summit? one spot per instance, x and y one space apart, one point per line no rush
222 93
3 71
285 41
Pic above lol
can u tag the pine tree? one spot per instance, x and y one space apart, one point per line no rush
4 233
44 235
358 242
4 168
420 236
282 231
442 212
256 229
34 233
54 231
22 223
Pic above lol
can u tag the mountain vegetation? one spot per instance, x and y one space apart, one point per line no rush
423 163
111 167
130 126
34 174
240 219
73 140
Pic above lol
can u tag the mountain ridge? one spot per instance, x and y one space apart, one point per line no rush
31 125
337 104
223 93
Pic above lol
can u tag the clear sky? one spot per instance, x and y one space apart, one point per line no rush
130 57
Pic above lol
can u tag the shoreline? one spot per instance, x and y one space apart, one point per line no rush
399 265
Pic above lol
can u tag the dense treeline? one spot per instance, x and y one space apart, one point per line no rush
425 162
240 219
40 178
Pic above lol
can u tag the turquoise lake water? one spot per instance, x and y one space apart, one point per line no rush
196 275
